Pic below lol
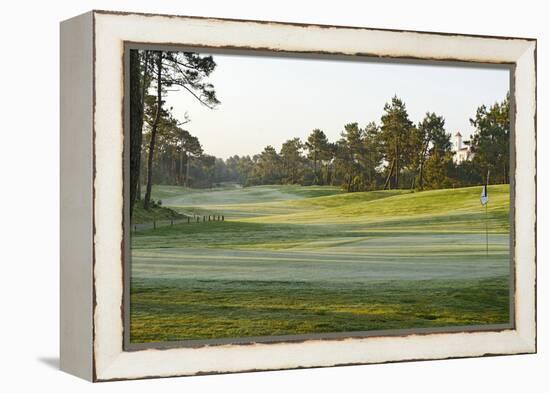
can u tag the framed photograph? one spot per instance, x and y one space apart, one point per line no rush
246 195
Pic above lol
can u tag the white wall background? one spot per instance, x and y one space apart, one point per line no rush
29 195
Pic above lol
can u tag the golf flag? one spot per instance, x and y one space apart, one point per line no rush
484 198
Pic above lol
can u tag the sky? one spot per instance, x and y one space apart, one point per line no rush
268 100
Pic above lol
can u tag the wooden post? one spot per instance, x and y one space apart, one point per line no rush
188 220
222 218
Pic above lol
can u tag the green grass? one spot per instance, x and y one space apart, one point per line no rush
236 194
388 206
292 260
213 309
155 212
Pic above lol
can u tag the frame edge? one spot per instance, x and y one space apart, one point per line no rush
76 197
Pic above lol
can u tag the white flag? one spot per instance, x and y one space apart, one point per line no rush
484 198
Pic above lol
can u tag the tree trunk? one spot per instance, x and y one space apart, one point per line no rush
187 170
421 176
397 164
173 170
154 130
387 183
421 167
180 182
136 125
315 168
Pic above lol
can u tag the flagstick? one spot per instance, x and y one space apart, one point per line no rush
486 233
486 217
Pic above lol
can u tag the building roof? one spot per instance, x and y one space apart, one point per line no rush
458 134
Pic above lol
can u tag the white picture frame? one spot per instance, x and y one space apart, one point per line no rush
92 193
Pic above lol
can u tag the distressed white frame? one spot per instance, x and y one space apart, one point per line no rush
111 30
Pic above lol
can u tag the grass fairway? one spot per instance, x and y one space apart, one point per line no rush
293 260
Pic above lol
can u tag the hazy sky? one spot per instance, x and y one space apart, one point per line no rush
267 100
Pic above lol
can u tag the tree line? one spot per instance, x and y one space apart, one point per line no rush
393 153
152 126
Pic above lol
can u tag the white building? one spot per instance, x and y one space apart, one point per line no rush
463 151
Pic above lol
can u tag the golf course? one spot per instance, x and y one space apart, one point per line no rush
291 259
